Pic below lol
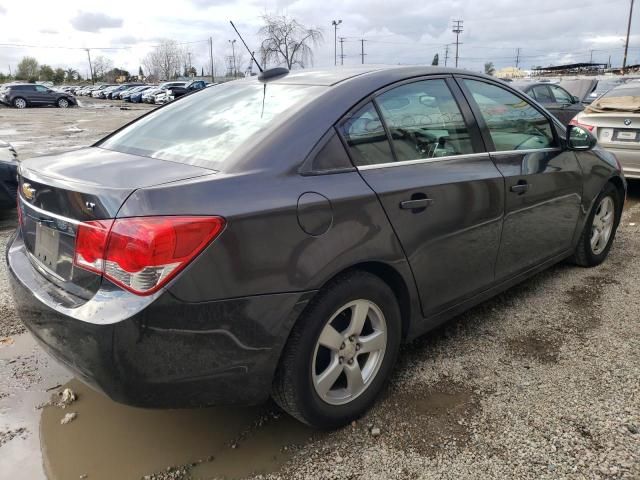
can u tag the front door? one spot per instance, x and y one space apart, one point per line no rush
420 151
543 183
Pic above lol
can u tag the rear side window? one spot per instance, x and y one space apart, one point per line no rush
205 128
424 121
366 137
514 123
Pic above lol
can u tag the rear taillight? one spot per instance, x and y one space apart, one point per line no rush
583 125
142 254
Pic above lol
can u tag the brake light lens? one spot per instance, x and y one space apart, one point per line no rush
583 125
142 254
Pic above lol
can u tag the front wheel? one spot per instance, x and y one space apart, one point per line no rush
63 103
340 353
600 228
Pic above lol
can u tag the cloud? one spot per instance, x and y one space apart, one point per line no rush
48 31
125 40
3 10
94 22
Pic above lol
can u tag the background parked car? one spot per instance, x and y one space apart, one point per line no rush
8 176
554 98
136 97
126 95
602 87
614 118
23 95
177 91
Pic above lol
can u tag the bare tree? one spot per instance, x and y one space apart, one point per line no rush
101 65
165 60
285 40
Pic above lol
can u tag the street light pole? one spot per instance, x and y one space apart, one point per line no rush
233 52
335 24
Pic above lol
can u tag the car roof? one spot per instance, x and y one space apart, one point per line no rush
333 76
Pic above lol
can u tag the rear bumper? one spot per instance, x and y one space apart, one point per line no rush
628 158
160 352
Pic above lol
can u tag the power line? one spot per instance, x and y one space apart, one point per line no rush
457 29
626 45
342 55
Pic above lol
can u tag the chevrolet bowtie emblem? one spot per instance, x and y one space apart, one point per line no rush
28 191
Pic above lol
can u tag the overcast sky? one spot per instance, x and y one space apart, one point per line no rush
396 31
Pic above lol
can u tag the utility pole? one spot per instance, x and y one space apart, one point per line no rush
213 78
90 67
591 56
233 53
335 24
457 29
189 71
626 44
362 54
9 69
517 57
342 39
446 54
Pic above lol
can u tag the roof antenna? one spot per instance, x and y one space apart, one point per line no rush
245 46
264 74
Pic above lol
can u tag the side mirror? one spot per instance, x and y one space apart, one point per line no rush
579 138
575 99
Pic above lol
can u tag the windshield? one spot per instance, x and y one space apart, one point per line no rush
203 129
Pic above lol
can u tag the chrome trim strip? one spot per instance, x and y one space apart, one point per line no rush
423 160
420 161
531 150
48 214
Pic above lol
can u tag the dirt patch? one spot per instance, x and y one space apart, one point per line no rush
585 301
536 347
428 421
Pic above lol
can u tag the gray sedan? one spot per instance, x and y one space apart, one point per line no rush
283 234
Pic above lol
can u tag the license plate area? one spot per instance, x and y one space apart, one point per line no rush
626 135
47 246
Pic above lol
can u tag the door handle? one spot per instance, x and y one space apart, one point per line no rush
520 188
417 204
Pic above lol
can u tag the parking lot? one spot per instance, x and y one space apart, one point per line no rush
540 382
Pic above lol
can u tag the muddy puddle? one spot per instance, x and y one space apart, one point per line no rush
107 440
25 376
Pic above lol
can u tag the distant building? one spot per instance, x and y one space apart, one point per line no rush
510 72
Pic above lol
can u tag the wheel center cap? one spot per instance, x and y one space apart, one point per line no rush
349 350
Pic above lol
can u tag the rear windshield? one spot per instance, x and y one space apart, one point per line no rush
626 90
203 129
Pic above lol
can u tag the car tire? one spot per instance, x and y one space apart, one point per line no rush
600 228
326 387
19 102
63 103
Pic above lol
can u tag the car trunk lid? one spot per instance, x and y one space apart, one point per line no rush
56 193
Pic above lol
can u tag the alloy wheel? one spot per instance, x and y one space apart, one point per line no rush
20 103
602 225
63 103
349 352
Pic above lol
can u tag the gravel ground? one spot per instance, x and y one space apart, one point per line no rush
542 382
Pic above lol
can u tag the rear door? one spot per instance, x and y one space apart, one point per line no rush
543 182
417 146
44 96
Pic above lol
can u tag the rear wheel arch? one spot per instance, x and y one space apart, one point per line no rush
618 183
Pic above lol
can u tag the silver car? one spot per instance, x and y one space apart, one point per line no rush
614 118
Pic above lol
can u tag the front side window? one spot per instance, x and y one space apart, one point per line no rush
366 137
561 95
542 94
514 124
424 121
41 89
